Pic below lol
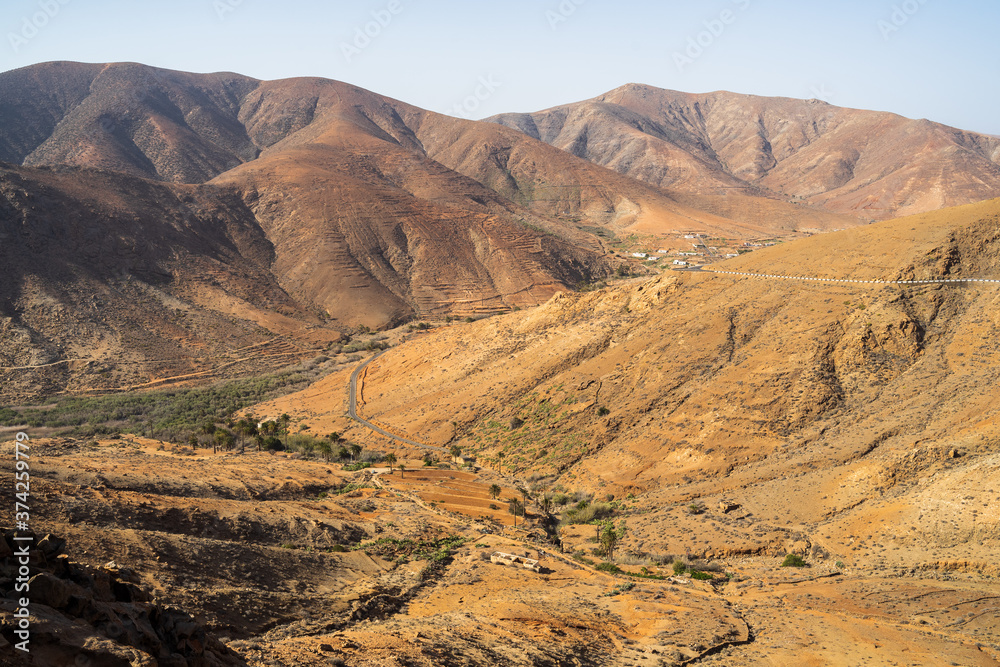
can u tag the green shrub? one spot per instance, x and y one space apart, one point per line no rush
171 414
620 588
609 567
680 567
794 560
602 411
589 513
701 576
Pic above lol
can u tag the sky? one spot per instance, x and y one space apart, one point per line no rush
919 58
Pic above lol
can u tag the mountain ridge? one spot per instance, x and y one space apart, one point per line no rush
807 150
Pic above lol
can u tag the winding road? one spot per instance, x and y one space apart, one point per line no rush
844 281
352 409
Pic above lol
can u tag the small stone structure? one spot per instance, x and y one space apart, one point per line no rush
516 561
726 506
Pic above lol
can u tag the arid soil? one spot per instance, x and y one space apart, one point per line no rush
152 222
721 422
869 164
851 424
250 547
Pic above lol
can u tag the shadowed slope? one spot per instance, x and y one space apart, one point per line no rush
111 280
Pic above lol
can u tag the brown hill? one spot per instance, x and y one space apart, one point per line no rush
726 421
371 230
111 281
740 419
125 117
351 220
557 183
863 163
723 368
189 128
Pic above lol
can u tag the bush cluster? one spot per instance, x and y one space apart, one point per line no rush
588 512
173 415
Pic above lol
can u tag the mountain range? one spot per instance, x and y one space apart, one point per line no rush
787 456
356 210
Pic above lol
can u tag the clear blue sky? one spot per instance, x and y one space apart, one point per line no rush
926 59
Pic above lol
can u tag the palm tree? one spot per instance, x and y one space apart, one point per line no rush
546 503
326 449
244 429
495 491
456 451
284 420
402 469
515 507
224 439
269 429
609 538
355 450
390 458
499 460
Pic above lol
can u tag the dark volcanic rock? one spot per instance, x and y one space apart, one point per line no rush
99 617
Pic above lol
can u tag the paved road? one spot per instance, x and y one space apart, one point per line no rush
352 409
773 276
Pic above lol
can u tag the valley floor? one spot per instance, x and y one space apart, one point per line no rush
263 549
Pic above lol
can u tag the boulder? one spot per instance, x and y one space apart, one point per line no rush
49 590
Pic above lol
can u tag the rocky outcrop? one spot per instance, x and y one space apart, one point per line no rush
79 615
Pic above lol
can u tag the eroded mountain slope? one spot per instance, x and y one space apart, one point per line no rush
112 281
868 164
806 404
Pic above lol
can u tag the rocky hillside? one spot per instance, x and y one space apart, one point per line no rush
806 403
122 266
97 616
737 419
311 208
112 281
868 164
